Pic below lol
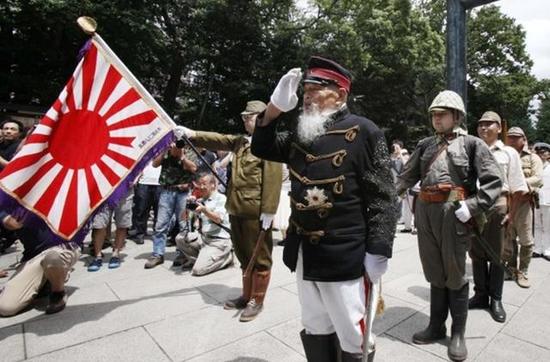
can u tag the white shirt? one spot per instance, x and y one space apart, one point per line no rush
544 191
150 175
510 166
216 204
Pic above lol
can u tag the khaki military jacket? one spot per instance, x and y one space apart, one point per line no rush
531 165
255 184
472 161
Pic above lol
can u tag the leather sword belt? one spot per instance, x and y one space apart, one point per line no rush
442 193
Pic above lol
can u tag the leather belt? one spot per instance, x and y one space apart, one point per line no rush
442 193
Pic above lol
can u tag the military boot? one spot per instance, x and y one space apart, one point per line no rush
439 306
321 348
242 300
458 303
480 300
260 282
496 283
525 254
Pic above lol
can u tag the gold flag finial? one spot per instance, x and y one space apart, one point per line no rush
87 24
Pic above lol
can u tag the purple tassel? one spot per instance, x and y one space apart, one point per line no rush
82 52
31 220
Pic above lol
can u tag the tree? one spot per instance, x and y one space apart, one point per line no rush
499 67
543 124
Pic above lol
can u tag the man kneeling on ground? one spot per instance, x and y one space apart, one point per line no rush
209 249
41 263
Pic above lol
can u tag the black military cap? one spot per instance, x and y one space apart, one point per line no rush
325 71
541 146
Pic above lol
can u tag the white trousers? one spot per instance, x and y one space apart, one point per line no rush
542 230
406 212
329 307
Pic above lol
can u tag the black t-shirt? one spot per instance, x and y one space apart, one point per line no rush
8 149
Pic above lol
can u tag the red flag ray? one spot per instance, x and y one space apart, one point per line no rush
88 70
44 203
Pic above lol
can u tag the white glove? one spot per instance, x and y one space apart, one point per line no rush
463 213
376 266
284 96
181 131
266 220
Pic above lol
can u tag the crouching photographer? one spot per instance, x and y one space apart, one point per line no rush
209 248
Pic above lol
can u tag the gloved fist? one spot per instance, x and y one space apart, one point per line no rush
266 220
463 213
284 96
376 266
181 131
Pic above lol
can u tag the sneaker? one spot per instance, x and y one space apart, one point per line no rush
114 262
153 261
95 265
57 302
522 280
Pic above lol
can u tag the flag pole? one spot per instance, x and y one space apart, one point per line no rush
89 26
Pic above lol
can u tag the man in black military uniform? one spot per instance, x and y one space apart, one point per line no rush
343 206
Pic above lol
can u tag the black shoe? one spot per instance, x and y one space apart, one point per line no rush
497 311
546 257
406 230
57 302
478 301
536 255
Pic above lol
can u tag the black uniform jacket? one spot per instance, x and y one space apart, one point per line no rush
342 196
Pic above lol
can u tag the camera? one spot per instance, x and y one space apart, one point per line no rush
180 143
192 205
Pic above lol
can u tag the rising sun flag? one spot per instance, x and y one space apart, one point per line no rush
87 150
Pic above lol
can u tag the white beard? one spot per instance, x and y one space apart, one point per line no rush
312 125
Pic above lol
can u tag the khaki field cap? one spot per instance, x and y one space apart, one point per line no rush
490 116
516 131
447 99
253 107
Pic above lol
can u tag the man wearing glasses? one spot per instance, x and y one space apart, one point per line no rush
252 200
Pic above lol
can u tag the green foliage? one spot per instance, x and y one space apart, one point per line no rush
203 59
543 123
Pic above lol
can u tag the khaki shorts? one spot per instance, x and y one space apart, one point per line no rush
123 214
21 289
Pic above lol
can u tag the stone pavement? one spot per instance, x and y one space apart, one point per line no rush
133 314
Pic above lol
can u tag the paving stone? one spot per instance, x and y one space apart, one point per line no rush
214 327
389 349
257 348
505 348
480 330
80 323
12 344
131 345
531 322
289 334
411 288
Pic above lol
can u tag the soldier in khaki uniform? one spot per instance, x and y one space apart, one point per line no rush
521 227
252 200
448 165
488 275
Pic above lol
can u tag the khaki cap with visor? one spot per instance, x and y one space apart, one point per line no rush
254 107
516 131
490 116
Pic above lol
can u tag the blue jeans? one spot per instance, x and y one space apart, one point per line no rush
146 197
171 203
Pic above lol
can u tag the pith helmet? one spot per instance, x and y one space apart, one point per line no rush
448 99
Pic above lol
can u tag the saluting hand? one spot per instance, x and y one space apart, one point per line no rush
284 96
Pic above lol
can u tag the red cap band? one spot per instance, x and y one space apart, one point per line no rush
331 75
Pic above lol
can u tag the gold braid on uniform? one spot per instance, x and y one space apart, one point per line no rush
337 157
338 182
